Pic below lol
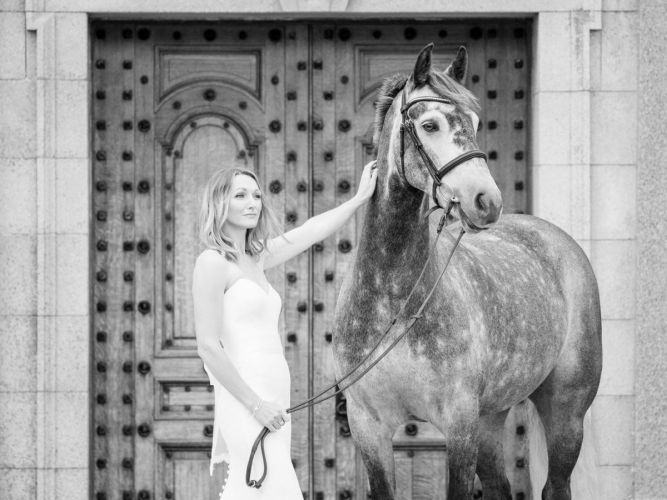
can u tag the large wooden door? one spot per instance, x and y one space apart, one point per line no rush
294 102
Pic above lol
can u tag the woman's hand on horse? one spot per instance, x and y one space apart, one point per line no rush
271 415
367 183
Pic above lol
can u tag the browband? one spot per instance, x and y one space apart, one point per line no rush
405 107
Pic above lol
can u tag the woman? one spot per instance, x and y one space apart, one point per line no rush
236 321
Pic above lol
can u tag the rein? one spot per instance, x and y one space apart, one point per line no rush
437 175
320 397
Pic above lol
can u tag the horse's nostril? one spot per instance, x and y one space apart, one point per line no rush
481 203
494 207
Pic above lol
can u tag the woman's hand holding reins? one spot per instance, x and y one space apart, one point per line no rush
367 182
270 414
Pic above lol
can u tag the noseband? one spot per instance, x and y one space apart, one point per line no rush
408 125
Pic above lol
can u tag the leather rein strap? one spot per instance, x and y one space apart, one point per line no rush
437 175
321 397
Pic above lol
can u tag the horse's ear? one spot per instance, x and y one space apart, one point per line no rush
459 66
422 66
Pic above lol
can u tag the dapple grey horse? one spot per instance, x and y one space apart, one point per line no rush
516 315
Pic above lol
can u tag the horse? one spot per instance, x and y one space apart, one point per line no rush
516 316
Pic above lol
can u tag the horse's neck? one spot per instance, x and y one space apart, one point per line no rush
395 238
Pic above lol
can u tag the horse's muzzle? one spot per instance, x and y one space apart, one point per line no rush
482 214
487 208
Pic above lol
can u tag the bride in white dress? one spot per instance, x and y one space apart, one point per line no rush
236 321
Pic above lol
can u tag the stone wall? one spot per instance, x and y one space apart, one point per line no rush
44 220
650 417
614 66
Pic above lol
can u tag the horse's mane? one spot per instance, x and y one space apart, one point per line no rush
442 84
389 89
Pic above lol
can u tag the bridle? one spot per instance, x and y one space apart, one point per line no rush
437 175
408 125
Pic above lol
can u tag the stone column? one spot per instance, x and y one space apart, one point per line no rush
18 257
650 472
613 233
63 284
44 247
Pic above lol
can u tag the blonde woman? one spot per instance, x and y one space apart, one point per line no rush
236 321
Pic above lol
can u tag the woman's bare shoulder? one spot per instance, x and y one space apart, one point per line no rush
211 266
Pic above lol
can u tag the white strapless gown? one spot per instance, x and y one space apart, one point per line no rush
251 340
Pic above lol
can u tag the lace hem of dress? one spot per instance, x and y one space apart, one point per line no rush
215 460
218 459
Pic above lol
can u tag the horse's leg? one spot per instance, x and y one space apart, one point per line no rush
562 408
373 439
461 430
462 457
491 459
564 397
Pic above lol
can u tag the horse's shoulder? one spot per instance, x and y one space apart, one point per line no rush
541 238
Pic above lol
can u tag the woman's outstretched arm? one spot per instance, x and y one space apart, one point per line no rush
321 226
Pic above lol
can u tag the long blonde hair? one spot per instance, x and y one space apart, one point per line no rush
214 211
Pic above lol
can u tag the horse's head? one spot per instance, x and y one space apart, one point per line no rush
432 142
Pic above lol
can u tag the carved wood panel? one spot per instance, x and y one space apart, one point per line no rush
294 102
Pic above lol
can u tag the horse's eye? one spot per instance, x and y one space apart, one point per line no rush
430 126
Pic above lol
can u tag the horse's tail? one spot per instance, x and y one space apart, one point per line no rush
584 482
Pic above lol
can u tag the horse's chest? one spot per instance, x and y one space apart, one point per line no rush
426 348
408 380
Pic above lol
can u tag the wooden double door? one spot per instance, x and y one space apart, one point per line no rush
174 102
